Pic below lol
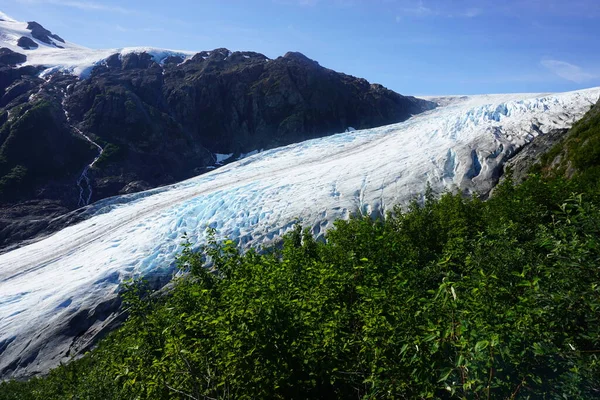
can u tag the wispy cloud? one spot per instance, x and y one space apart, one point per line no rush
98 7
421 8
568 71
510 8
83 5
418 9
472 12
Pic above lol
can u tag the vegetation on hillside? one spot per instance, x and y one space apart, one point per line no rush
453 298
579 153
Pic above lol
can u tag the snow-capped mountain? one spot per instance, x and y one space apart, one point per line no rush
59 292
44 48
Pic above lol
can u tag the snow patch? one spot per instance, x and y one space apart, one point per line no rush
5 17
71 58
249 154
219 158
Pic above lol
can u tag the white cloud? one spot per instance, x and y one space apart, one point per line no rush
570 72
472 12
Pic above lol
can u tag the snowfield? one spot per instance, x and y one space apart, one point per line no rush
459 146
71 58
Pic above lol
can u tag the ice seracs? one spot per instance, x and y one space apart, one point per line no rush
72 274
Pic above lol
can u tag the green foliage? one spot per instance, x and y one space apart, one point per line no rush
11 181
580 153
584 143
19 134
111 153
453 298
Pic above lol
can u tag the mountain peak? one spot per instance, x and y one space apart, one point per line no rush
18 36
42 34
297 56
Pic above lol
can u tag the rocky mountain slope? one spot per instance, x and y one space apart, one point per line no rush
562 152
79 125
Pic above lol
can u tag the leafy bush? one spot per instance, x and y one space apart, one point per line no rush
453 298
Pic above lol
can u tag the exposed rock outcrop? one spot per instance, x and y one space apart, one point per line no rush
521 164
42 34
11 58
159 123
27 43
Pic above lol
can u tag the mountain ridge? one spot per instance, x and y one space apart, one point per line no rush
130 120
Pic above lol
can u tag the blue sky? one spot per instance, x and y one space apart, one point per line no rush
417 47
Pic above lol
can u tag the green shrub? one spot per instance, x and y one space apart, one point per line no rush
454 298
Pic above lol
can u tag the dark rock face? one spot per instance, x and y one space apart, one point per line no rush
522 163
161 123
10 58
26 43
74 336
42 34
173 60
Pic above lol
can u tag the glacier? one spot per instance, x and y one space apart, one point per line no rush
72 274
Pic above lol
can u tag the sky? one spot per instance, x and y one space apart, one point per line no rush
415 47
